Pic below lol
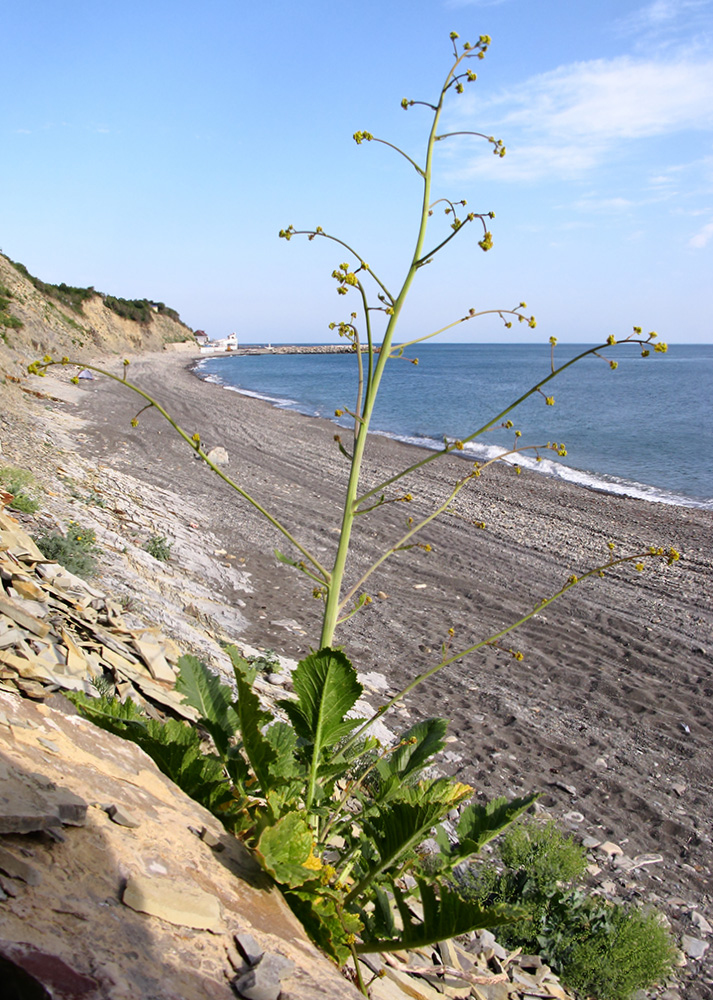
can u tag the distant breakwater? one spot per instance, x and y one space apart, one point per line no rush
299 349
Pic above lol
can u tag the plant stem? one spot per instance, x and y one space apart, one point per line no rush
333 602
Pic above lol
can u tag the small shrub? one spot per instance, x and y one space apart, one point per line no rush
21 484
159 547
267 663
73 550
602 949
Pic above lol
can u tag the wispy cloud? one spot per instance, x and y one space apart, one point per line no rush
568 121
664 16
700 239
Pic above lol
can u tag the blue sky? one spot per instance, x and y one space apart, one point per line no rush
155 149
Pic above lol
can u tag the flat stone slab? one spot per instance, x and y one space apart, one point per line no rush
178 903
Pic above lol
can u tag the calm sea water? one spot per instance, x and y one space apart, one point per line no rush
644 430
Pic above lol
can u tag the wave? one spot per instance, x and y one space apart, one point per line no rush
599 482
217 380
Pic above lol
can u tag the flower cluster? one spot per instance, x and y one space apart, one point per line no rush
345 279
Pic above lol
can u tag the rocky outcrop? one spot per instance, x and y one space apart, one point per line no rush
114 884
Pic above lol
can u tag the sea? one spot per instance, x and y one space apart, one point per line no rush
642 430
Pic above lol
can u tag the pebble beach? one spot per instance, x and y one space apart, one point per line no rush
609 713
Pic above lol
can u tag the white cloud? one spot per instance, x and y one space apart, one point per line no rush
700 239
568 121
663 16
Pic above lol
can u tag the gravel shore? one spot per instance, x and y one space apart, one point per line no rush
610 712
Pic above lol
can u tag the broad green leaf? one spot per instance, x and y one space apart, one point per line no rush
478 824
204 691
414 749
400 825
240 663
284 849
174 746
106 707
327 688
283 739
261 754
445 915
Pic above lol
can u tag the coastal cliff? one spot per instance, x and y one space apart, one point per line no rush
37 318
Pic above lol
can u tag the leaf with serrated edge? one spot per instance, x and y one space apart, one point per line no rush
327 688
480 823
411 757
402 824
444 916
204 691
260 752
284 848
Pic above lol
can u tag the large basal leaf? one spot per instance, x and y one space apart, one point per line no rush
174 747
445 915
478 824
402 824
285 848
283 739
261 754
327 688
204 691
414 749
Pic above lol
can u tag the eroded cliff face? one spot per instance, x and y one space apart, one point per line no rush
51 327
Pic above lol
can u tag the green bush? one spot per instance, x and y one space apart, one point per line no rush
73 550
159 547
6 320
267 662
138 310
21 484
69 295
602 949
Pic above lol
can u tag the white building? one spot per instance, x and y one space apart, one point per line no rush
229 343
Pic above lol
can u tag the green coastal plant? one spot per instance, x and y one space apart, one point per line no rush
7 320
600 948
74 550
331 814
267 662
297 788
159 547
21 483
